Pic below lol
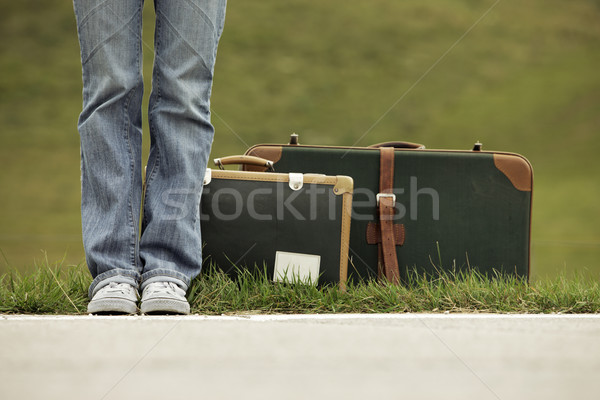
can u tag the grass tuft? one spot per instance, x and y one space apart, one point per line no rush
59 289
50 289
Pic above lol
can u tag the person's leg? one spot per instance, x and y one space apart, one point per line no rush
186 38
110 132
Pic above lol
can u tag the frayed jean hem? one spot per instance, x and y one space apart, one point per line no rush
165 275
114 275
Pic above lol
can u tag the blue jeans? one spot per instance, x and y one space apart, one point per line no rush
168 248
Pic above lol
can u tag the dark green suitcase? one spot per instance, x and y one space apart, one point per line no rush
454 210
295 225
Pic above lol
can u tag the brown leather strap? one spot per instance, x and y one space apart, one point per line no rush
386 214
380 266
374 237
386 169
374 233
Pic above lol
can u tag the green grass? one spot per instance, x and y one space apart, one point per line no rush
58 289
524 79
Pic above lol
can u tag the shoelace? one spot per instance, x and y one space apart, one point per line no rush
162 287
120 288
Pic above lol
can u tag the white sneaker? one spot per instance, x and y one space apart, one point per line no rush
117 298
164 298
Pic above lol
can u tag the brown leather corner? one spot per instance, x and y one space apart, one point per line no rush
517 169
374 233
271 153
344 184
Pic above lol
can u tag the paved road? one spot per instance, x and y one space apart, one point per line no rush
411 356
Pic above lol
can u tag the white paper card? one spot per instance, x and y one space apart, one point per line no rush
296 267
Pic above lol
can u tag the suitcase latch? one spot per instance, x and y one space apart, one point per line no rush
296 181
391 195
207 176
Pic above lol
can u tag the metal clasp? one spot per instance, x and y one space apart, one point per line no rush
296 181
391 195
207 176
218 163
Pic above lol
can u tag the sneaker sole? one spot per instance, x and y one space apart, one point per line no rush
109 306
165 306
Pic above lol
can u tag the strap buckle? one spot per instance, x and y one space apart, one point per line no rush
390 195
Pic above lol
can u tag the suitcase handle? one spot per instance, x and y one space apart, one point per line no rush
248 160
399 145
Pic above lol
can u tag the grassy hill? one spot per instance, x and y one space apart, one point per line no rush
518 76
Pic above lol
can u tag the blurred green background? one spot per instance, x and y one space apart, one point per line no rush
524 79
